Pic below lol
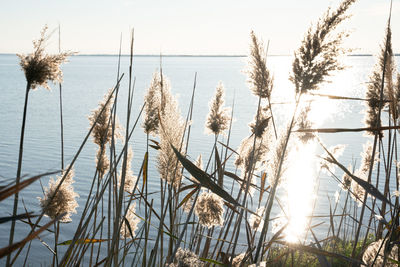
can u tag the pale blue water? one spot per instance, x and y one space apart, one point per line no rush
87 79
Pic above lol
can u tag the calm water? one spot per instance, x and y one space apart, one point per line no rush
87 79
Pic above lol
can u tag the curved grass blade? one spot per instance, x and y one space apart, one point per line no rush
212 261
82 241
9 191
9 249
17 217
145 164
187 197
204 178
219 169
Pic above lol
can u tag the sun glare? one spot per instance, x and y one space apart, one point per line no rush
300 190
301 174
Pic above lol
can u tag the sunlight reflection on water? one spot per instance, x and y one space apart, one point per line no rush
300 178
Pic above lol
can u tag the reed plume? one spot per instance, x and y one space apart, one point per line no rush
63 202
39 67
374 254
102 161
303 122
130 222
373 93
317 57
218 118
238 260
209 209
260 80
258 129
346 180
250 159
256 221
130 179
152 100
278 155
172 132
100 120
186 258
363 170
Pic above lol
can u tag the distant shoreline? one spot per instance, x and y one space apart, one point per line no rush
145 55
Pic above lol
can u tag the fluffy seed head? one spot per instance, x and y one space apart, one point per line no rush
363 171
152 100
304 123
317 57
39 67
172 132
251 157
258 129
186 258
376 248
237 261
64 201
218 117
130 179
373 93
256 220
101 119
102 161
260 79
346 180
278 156
209 208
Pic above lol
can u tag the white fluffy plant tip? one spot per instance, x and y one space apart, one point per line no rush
210 210
152 100
186 258
61 202
39 67
260 80
100 120
130 179
218 118
238 260
130 222
318 56
256 220
374 255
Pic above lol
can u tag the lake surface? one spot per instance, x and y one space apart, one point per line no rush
88 78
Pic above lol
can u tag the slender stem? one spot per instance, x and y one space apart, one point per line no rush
61 109
18 178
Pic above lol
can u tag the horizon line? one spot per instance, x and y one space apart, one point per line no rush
192 55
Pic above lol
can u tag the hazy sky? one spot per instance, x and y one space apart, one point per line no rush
186 27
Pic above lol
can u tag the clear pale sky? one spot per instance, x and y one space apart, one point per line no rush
186 27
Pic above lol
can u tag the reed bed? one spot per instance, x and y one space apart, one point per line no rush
218 210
